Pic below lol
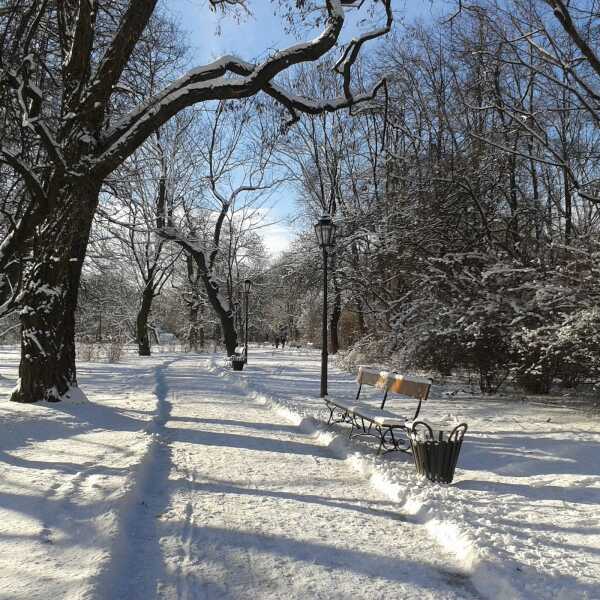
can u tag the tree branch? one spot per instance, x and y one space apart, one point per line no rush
214 82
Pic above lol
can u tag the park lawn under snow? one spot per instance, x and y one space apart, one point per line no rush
121 497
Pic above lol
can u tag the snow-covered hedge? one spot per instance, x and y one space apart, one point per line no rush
497 317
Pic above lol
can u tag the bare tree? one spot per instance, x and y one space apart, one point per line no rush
89 129
237 176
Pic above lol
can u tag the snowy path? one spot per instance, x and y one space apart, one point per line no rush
182 479
240 504
65 474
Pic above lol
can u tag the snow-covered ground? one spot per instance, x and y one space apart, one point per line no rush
183 479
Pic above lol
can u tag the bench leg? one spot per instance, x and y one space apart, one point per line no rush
397 445
343 415
358 423
351 429
331 409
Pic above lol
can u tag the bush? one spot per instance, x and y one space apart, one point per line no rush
437 351
486 349
114 351
535 358
473 343
88 351
578 344
569 351
368 350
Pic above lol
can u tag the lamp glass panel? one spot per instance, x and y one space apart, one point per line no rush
325 231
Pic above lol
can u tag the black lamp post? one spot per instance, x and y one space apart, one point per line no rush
247 286
325 231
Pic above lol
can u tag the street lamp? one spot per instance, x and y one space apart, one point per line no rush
247 286
325 232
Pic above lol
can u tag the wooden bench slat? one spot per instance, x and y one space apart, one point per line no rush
366 376
408 387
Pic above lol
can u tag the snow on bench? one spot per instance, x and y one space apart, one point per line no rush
380 422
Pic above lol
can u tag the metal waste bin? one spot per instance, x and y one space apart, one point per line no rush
237 362
436 458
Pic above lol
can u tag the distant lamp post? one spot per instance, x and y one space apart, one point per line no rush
247 286
325 232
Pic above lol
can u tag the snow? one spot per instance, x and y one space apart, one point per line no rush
181 478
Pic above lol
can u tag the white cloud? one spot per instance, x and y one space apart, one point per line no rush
277 238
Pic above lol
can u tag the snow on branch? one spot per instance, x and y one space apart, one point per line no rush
78 40
34 186
118 53
30 100
562 14
348 58
232 78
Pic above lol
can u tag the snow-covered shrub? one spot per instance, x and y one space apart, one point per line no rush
578 343
369 350
88 351
569 351
485 346
114 351
348 360
435 350
472 343
536 357
462 317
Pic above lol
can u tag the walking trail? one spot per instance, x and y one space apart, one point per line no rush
238 503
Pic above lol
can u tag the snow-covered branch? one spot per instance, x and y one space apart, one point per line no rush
34 186
230 77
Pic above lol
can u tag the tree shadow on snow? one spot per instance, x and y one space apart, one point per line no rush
343 504
528 454
247 442
237 423
543 492
222 546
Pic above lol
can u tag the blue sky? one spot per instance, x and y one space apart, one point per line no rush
211 35
252 36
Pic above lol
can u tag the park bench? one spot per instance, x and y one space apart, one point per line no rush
389 426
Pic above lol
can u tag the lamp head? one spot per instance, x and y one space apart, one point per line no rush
325 231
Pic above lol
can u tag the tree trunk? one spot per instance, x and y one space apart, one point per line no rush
336 313
193 333
47 369
568 207
226 317
143 339
361 318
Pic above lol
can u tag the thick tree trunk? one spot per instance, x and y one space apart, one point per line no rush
47 370
226 317
143 339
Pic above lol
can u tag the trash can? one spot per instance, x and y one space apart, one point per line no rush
237 362
436 458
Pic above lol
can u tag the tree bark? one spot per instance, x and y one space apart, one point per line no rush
193 333
143 340
226 317
361 318
47 370
568 207
336 313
